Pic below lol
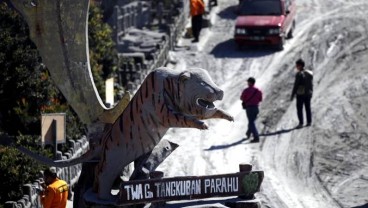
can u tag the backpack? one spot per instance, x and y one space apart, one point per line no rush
305 83
301 87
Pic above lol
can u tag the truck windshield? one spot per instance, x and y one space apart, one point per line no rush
260 7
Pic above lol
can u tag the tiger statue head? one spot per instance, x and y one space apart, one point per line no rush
198 92
195 94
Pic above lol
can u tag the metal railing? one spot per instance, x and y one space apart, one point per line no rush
132 74
31 198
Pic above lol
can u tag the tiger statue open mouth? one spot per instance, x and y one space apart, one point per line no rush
197 94
205 104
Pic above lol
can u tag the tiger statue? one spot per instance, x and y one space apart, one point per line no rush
167 98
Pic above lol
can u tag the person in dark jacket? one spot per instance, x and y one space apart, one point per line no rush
303 90
251 97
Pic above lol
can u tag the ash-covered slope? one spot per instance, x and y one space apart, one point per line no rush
324 165
330 158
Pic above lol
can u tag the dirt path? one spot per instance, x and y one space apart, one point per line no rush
325 163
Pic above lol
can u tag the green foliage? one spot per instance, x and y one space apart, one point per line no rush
250 183
22 87
26 88
27 91
16 169
103 55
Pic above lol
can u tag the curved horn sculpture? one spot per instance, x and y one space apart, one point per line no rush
59 30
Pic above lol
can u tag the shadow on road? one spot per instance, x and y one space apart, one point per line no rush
228 13
281 131
363 206
228 49
246 141
224 146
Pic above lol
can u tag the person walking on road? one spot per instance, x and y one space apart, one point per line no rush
55 194
303 89
197 9
251 97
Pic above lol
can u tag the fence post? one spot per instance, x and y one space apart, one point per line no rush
119 19
124 16
10 204
246 168
27 193
160 11
134 16
140 19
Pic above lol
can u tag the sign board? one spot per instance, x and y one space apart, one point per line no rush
109 91
53 128
190 187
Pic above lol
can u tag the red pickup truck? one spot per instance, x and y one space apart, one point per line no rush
264 22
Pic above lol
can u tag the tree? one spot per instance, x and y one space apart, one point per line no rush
103 55
27 91
15 169
23 83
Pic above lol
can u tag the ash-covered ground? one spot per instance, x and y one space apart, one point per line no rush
325 165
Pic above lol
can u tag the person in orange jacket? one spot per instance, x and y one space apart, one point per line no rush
55 194
197 9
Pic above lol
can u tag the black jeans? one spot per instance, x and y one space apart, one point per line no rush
252 113
196 26
304 100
